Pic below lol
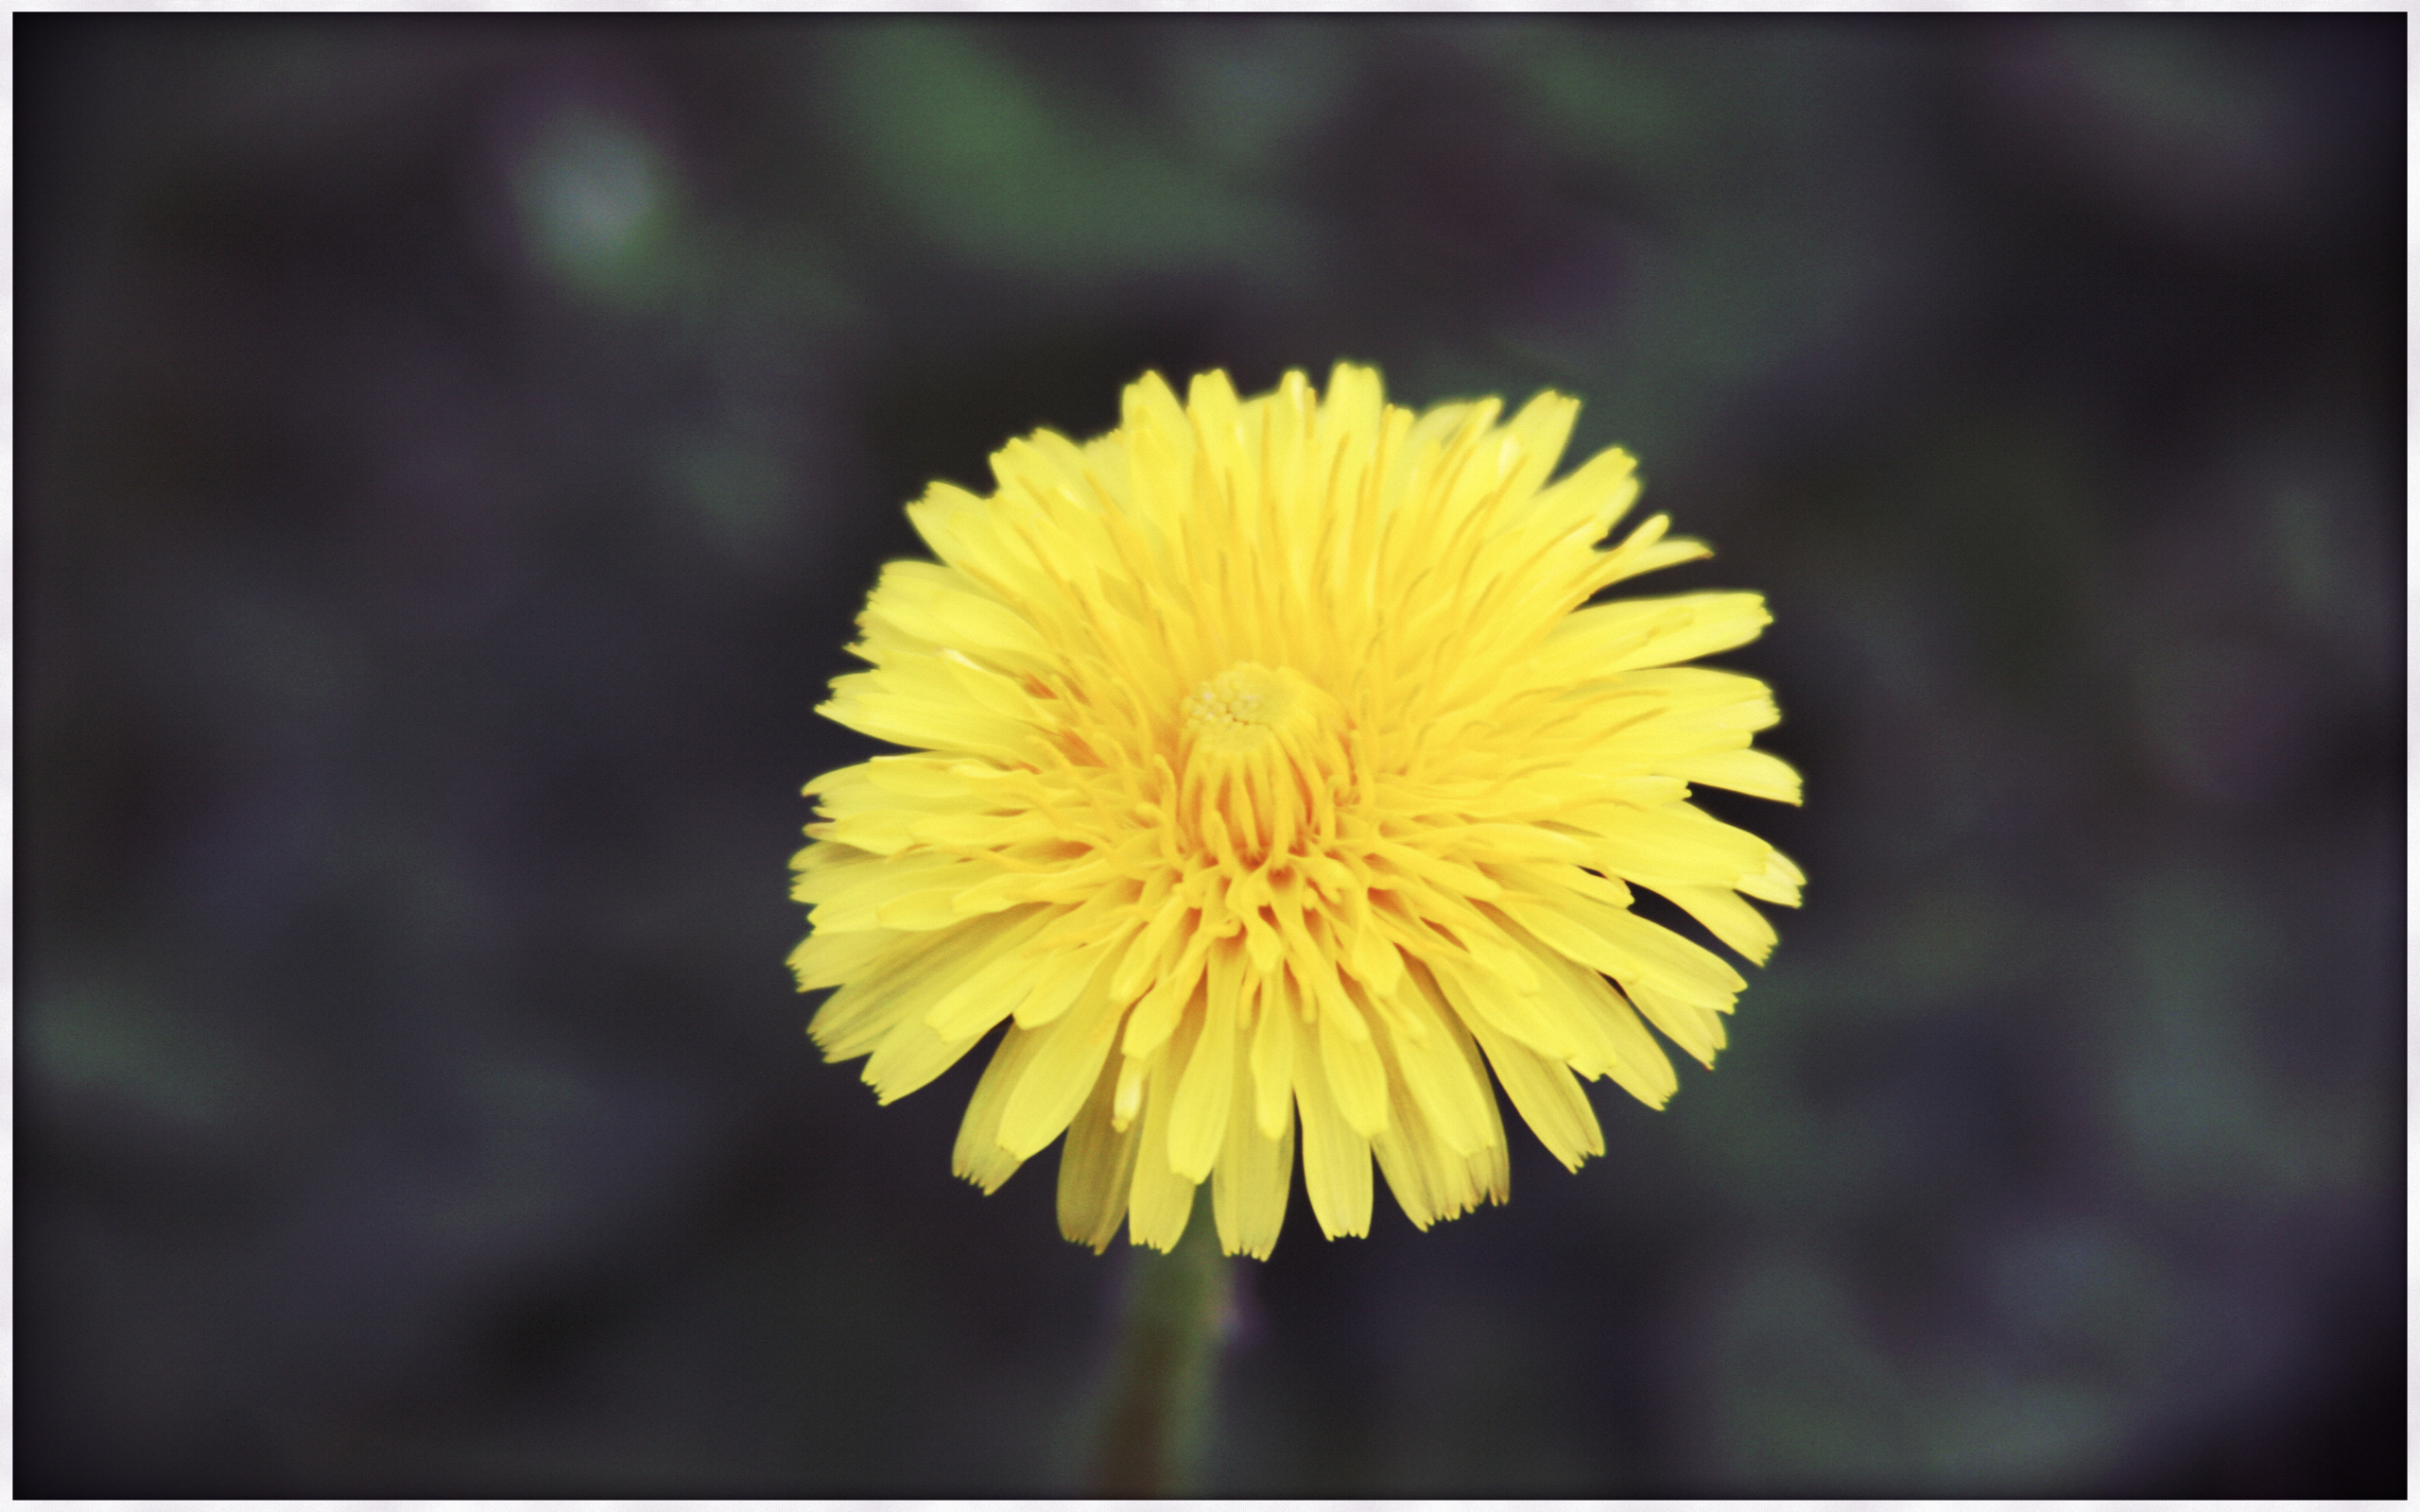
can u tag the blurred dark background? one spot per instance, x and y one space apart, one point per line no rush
450 451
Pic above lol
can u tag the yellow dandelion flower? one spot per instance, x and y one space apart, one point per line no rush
1271 781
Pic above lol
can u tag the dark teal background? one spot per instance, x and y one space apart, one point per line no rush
450 452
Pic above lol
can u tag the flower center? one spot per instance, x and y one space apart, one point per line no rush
1260 758
1243 707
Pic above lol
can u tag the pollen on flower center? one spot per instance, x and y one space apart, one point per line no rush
1243 706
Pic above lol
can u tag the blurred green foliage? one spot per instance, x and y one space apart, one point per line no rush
994 170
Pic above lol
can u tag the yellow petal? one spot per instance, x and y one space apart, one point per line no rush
1743 769
1252 1180
1336 1160
1073 1047
1550 1100
1095 1170
1733 922
1198 1118
1163 1197
978 1156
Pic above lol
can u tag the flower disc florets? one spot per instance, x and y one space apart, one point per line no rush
1271 783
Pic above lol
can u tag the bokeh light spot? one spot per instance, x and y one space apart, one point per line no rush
594 200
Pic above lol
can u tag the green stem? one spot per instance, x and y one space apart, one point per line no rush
1159 1398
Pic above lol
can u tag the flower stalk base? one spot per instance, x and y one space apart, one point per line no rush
1155 1417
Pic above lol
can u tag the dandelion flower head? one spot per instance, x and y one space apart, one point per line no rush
1270 779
